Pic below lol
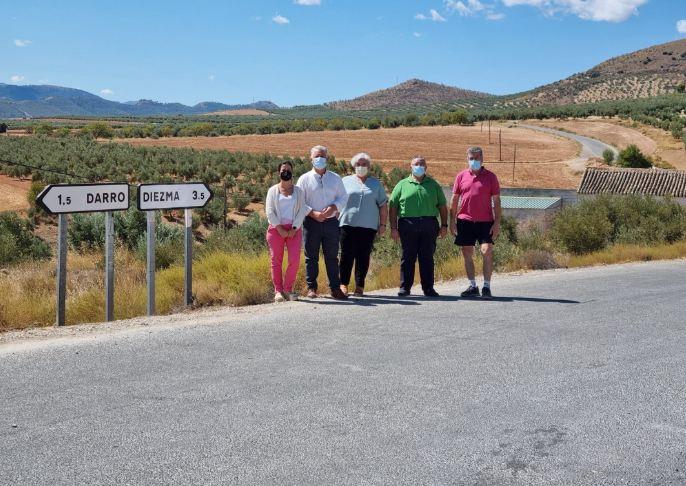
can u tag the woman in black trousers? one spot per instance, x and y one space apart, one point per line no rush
364 217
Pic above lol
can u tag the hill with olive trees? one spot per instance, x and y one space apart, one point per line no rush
409 93
653 71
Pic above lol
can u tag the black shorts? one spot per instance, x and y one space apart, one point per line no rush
469 232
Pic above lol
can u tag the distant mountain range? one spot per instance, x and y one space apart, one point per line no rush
648 72
32 101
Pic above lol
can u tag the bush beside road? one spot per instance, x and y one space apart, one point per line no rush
232 267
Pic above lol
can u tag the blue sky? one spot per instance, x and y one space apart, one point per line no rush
235 51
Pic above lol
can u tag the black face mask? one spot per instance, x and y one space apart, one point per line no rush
286 175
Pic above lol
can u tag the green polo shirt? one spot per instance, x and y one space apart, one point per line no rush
413 199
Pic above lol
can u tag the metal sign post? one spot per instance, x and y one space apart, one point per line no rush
182 195
150 262
188 259
109 266
64 199
61 270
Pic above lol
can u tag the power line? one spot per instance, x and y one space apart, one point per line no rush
67 174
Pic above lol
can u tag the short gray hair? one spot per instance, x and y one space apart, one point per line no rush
319 148
360 156
418 157
475 151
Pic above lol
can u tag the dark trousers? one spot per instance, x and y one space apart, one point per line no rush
356 248
326 235
418 240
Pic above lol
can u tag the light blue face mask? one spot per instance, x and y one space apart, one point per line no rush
474 164
319 163
418 170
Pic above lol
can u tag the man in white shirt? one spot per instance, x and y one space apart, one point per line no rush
326 196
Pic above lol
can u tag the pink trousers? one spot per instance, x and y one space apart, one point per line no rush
277 244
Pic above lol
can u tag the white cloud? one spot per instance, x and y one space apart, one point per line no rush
495 16
433 16
280 19
21 42
417 34
681 26
596 10
17 78
471 7
106 92
308 3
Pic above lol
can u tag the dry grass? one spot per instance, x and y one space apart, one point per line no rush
13 194
28 290
629 253
240 112
540 156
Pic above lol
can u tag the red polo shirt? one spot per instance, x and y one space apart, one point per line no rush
475 192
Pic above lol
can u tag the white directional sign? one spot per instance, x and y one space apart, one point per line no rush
84 198
182 195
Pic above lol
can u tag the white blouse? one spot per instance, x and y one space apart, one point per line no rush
286 208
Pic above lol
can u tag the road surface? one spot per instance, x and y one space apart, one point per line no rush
590 147
569 377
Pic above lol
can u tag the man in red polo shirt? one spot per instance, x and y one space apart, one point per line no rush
475 216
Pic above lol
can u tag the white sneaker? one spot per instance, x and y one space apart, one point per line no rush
278 297
293 296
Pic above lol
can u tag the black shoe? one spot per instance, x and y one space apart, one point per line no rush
470 292
486 293
431 293
403 293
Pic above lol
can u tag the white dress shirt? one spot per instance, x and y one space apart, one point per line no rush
323 191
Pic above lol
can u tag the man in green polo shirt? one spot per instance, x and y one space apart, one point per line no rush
415 204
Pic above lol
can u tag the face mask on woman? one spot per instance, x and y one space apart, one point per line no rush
286 175
418 170
361 170
319 163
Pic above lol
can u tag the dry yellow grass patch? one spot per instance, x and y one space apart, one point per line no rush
27 291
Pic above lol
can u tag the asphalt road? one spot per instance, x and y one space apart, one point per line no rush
590 147
569 377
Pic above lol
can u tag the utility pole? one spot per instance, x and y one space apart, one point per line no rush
514 162
489 131
500 143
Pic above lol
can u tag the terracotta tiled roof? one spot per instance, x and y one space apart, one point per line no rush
653 182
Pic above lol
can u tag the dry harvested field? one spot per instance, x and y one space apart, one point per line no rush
620 133
541 158
13 193
241 112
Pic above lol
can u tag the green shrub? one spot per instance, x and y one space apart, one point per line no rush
18 242
169 245
633 157
249 237
508 229
87 231
532 238
608 156
583 228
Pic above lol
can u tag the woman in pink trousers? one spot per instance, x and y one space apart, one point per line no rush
286 210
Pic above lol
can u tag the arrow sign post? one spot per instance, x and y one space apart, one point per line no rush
64 199
181 195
